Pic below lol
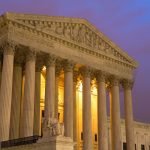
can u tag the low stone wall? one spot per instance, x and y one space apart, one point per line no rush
53 143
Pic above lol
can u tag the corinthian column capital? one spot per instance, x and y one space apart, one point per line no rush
68 66
38 67
30 55
114 81
86 71
127 84
101 76
9 48
50 60
19 60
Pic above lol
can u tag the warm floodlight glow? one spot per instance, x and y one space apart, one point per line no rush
79 85
44 68
94 90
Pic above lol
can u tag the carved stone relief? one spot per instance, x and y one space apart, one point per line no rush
76 32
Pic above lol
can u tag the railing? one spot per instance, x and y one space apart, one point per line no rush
20 141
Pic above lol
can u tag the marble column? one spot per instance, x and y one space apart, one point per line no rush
115 115
75 76
102 113
36 129
50 88
68 99
28 99
129 123
22 98
86 107
16 101
57 74
6 91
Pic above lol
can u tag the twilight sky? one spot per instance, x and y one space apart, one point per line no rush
125 22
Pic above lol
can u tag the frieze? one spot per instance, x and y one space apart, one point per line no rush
118 67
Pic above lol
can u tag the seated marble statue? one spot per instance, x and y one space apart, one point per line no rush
55 127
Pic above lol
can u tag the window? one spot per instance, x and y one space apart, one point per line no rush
124 146
95 137
142 147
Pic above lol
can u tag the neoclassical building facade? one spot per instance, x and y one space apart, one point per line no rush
57 74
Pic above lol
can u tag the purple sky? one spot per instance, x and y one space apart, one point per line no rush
125 22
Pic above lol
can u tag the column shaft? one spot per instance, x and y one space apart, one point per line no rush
74 111
102 114
16 102
6 93
68 101
129 116
56 93
57 74
28 100
36 130
115 116
87 118
50 92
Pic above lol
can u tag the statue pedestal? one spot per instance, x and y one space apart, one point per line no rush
56 143
53 137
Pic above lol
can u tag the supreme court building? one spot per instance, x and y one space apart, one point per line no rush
56 76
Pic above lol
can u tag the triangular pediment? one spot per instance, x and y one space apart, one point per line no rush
76 30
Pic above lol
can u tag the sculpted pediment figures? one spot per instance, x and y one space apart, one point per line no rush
76 32
79 31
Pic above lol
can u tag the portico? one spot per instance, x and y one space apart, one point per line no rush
84 56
